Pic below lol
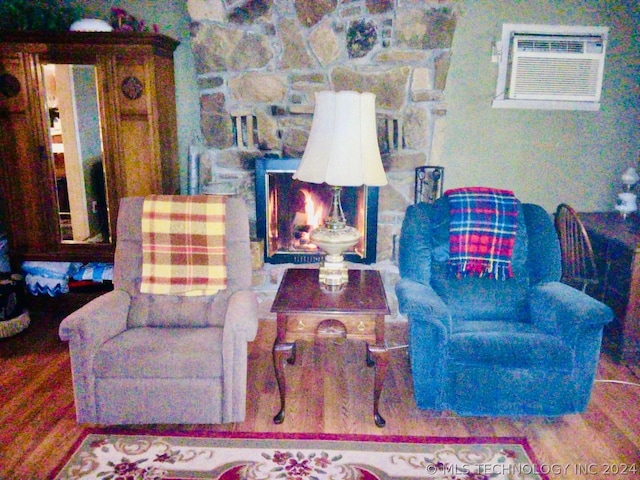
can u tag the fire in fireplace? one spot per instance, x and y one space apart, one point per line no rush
287 210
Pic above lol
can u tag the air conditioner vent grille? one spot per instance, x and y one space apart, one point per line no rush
545 77
565 46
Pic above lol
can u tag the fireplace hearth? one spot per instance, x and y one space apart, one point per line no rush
288 209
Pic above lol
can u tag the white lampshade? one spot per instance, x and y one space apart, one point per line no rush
342 149
630 176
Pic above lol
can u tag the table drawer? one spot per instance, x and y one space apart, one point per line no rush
312 325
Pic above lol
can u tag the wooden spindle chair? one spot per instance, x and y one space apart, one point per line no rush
578 262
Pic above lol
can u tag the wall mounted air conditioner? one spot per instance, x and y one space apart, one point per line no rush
551 66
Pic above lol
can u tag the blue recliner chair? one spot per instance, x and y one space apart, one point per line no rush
528 345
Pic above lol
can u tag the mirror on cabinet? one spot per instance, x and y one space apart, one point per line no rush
76 146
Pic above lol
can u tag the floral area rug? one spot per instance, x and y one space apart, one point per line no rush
233 456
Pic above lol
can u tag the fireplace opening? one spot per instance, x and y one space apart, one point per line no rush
287 210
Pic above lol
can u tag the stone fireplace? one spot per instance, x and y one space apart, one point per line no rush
287 210
260 62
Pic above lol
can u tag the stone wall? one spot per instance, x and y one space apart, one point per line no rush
259 63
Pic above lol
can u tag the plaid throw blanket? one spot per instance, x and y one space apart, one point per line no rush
183 250
482 231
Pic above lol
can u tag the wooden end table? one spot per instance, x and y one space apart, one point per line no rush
305 311
616 245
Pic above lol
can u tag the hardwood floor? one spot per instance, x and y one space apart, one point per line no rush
330 390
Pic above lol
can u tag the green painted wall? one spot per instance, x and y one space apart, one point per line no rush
545 156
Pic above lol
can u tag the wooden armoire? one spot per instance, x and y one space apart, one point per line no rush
86 118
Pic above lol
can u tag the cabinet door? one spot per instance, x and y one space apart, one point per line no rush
28 199
138 169
165 123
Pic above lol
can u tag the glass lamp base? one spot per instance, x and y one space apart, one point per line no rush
333 275
333 272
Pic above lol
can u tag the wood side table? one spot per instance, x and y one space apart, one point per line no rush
616 245
305 311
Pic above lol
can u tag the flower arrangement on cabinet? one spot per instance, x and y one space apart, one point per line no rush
123 21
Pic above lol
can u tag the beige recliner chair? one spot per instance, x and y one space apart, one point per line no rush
142 358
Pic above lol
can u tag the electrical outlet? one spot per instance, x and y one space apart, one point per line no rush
94 206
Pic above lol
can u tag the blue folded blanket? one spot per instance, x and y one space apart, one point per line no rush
4 254
59 270
39 285
52 278
96 272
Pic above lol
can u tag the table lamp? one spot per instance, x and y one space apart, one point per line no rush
630 178
342 151
626 202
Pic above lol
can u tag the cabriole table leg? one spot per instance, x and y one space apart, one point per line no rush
378 356
282 352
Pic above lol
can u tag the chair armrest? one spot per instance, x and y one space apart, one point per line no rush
241 319
85 330
429 333
99 320
558 309
240 327
561 309
422 304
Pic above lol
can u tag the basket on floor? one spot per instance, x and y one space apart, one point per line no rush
13 326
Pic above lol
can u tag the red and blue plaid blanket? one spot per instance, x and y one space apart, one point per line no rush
482 231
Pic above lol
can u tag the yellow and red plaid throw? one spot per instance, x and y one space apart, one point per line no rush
183 250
